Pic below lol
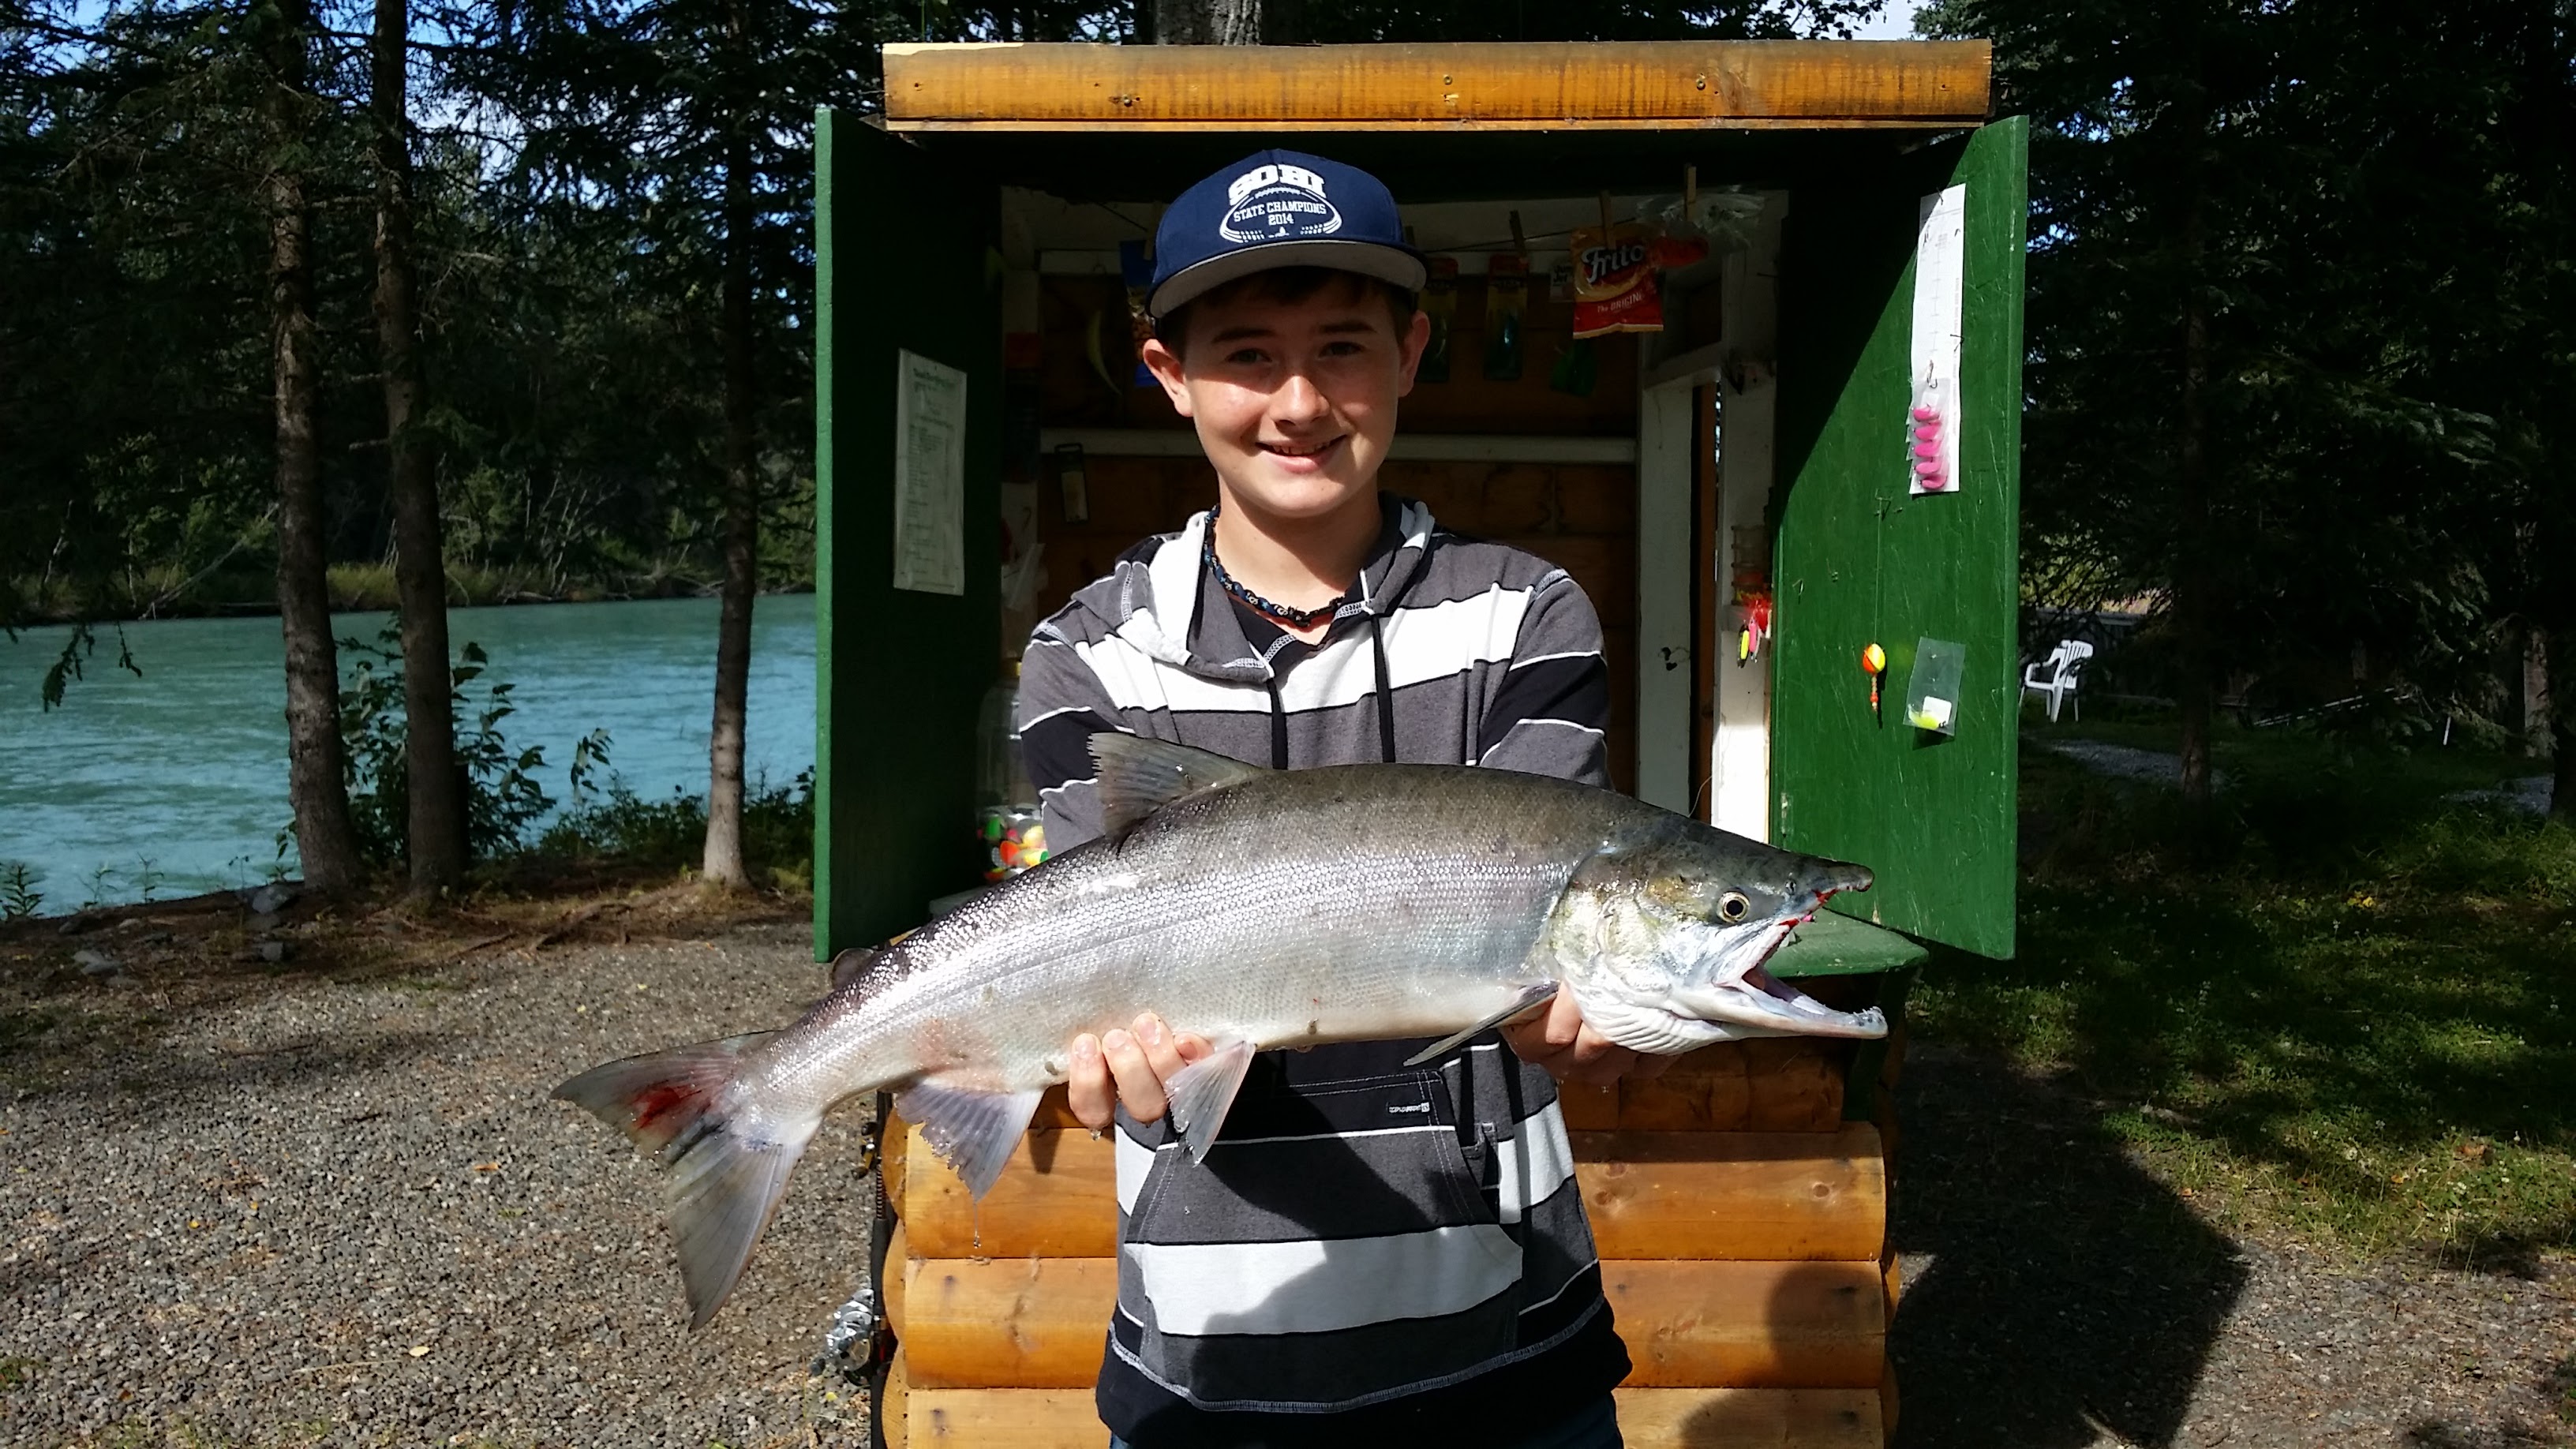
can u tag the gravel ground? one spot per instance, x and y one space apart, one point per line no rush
2059 1296
344 1211
328 1202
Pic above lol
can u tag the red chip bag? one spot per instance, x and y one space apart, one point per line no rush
1615 288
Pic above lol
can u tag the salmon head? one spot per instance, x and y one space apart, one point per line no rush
1662 940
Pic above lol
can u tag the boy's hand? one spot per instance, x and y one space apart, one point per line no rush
1128 1066
1558 1041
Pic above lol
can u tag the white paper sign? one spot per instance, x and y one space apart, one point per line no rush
1940 258
929 476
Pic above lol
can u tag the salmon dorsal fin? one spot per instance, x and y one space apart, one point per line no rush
1139 776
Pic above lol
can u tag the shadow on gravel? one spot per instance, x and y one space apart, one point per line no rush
2558 1399
2068 1293
2511 1436
152 1079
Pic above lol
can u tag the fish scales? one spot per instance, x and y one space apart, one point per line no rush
1204 915
1258 909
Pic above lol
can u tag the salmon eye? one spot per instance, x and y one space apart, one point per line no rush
1733 907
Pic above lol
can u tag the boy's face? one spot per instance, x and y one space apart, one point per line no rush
1294 401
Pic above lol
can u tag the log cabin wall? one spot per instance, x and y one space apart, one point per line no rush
1740 1218
1580 516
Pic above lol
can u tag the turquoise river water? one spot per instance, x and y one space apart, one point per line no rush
175 783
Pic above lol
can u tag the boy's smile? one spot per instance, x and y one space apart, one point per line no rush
1295 402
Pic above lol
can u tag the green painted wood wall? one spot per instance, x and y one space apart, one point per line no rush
1858 560
900 248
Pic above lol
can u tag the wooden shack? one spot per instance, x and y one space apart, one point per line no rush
1757 448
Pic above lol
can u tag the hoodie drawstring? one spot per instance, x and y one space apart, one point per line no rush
1385 704
1278 728
1385 692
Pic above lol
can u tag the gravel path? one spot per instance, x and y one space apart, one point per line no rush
2530 794
288 1206
344 1211
2122 762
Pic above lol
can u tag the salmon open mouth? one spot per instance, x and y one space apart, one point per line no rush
1756 997
1759 999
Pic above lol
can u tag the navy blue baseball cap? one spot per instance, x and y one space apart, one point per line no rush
1278 209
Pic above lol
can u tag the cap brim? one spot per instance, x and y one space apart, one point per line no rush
1398 265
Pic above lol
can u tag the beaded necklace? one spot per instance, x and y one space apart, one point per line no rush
1293 618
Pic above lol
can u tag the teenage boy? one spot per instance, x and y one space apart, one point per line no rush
1372 1254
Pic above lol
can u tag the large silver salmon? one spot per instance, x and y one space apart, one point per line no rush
1259 909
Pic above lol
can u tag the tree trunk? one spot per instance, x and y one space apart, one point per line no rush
1207 22
316 782
2193 583
2198 689
435 828
2544 125
2559 647
723 863
2530 686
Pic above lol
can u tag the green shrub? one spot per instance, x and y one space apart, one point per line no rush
502 796
670 833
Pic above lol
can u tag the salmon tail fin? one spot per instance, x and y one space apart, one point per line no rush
728 1169
724 1189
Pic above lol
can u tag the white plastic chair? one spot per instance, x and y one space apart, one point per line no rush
2057 676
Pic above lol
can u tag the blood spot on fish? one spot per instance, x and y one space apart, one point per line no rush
661 1100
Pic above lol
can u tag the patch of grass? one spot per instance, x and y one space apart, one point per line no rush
2338 1007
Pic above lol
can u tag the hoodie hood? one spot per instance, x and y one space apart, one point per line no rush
1162 601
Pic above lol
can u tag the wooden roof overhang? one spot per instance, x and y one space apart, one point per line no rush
1434 121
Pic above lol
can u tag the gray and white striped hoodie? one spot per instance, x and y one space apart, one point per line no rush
1370 1252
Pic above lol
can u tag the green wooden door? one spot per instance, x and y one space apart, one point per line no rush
1860 559
900 249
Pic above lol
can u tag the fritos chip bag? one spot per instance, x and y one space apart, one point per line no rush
1615 289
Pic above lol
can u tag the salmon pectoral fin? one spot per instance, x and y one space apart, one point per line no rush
1203 1092
972 1130
728 1168
1530 997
